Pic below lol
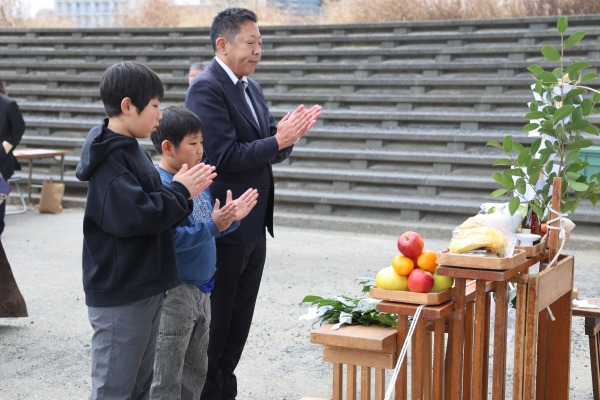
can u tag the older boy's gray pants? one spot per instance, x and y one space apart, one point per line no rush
123 349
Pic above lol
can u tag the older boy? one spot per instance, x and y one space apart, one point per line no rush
181 360
128 250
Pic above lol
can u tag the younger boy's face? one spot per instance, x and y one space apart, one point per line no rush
188 152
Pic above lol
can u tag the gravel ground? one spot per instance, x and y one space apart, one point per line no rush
47 355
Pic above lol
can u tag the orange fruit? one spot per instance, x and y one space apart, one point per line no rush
403 265
427 261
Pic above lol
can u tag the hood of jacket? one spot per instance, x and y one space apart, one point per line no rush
99 144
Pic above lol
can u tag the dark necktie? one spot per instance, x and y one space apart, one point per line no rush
242 85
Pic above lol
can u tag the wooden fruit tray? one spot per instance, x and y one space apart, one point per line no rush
480 261
402 296
531 251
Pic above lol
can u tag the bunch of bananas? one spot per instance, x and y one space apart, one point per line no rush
476 233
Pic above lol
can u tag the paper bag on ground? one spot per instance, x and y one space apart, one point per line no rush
52 197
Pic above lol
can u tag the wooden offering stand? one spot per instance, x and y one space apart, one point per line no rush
461 370
370 347
542 346
429 365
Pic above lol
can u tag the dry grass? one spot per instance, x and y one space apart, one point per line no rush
356 11
162 13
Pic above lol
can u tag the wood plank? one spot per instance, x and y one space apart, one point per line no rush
479 342
588 312
481 262
448 366
437 384
365 383
542 349
379 384
374 338
486 346
554 282
417 362
531 335
500 342
488 275
427 366
29 153
456 346
595 364
359 357
592 326
553 239
351 382
338 381
519 352
468 349
403 296
558 349
402 379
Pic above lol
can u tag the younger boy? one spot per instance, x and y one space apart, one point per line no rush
181 361
128 250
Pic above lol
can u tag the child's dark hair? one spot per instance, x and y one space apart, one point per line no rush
177 122
129 79
227 23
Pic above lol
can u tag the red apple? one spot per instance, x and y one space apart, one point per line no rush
410 244
420 281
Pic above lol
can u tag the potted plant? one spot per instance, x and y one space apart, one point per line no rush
560 114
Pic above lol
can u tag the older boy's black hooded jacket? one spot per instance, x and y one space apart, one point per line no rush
128 250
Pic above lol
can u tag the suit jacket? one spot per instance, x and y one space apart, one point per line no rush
12 128
241 150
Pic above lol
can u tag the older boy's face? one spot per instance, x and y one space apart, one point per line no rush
243 55
188 152
146 121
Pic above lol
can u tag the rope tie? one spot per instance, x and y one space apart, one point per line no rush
411 330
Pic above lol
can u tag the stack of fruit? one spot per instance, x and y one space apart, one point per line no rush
413 269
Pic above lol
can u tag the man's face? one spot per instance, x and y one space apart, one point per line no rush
243 54
193 73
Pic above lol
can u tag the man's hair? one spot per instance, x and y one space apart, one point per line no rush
196 65
177 122
227 23
2 90
129 79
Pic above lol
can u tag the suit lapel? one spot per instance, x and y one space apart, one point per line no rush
240 102
260 111
238 98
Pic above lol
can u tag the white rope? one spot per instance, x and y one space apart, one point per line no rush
411 330
562 232
562 235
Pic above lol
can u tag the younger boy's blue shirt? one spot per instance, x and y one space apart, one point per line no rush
195 239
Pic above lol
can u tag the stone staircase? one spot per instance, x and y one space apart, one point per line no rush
408 107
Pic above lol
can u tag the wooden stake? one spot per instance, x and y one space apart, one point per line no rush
554 240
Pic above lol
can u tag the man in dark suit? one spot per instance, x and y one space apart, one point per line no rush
242 139
12 128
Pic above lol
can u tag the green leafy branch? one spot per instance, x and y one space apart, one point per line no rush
561 112
351 310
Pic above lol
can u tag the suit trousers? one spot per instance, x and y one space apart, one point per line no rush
237 281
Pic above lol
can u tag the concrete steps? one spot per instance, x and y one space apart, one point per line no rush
408 106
